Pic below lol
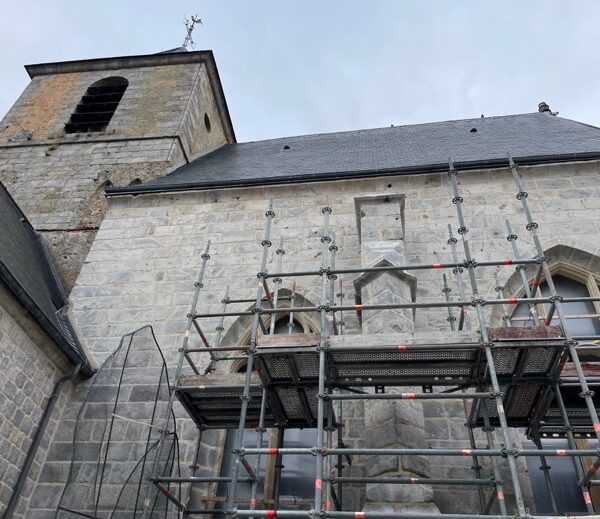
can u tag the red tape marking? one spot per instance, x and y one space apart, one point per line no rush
359 515
414 480
253 502
318 483
512 301
410 396
597 427
507 262
358 307
500 495
466 452
561 453
273 451
587 498
271 513
593 469
547 322
536 282
437 265
402 347
328 504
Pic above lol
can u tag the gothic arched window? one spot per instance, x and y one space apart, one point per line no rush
296 481
97 106
582 317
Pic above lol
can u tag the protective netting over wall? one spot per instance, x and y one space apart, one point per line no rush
117 438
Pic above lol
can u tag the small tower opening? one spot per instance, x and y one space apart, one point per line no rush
97 106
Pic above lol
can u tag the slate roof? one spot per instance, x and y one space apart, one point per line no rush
27 271
530 138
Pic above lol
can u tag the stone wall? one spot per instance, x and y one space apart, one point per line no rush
58 179
146 255
29 367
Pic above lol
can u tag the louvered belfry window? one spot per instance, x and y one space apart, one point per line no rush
97 106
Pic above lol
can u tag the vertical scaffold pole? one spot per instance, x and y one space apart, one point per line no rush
260 430
512 238
557 300
292 303
221 326
532 227
328 460
463 321
183 353
340 417
535 436
500 295
572 444
489 434
277 282
321 396
340 296
194 466
265 243
478 302
446 291
332 277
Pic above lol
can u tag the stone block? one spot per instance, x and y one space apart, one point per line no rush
380 493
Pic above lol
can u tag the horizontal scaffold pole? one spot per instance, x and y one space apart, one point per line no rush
388 268
504 453
392 306
409 396
415 481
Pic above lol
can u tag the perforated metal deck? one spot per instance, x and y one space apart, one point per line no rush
288 366
214 401
577 412
527 362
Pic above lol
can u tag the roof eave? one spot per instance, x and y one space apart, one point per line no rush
531 160
55 334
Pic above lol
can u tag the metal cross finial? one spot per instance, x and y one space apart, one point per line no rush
189 25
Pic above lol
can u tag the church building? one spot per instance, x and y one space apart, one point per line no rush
377 323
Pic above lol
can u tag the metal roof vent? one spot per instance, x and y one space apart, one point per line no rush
544 108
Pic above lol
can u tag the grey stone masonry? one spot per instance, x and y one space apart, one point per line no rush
144 260
29 367
391 424
58 179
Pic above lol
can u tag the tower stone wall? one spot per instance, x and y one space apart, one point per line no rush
171 112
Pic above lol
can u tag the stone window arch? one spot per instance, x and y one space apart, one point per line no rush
97 106
570 281
297 478
574 273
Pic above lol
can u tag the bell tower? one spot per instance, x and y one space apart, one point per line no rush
81 126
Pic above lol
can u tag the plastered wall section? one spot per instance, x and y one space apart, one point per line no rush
143 263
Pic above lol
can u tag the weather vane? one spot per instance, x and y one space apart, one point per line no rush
189 25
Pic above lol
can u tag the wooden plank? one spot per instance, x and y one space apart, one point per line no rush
292 340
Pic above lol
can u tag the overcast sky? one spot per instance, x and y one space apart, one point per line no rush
296 67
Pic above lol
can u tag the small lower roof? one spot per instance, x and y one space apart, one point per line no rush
27 271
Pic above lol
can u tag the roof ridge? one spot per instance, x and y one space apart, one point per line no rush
420 125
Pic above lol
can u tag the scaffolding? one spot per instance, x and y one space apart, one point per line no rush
506 379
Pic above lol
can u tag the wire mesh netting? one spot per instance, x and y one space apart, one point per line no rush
117 445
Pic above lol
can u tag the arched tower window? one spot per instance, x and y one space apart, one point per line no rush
97 106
